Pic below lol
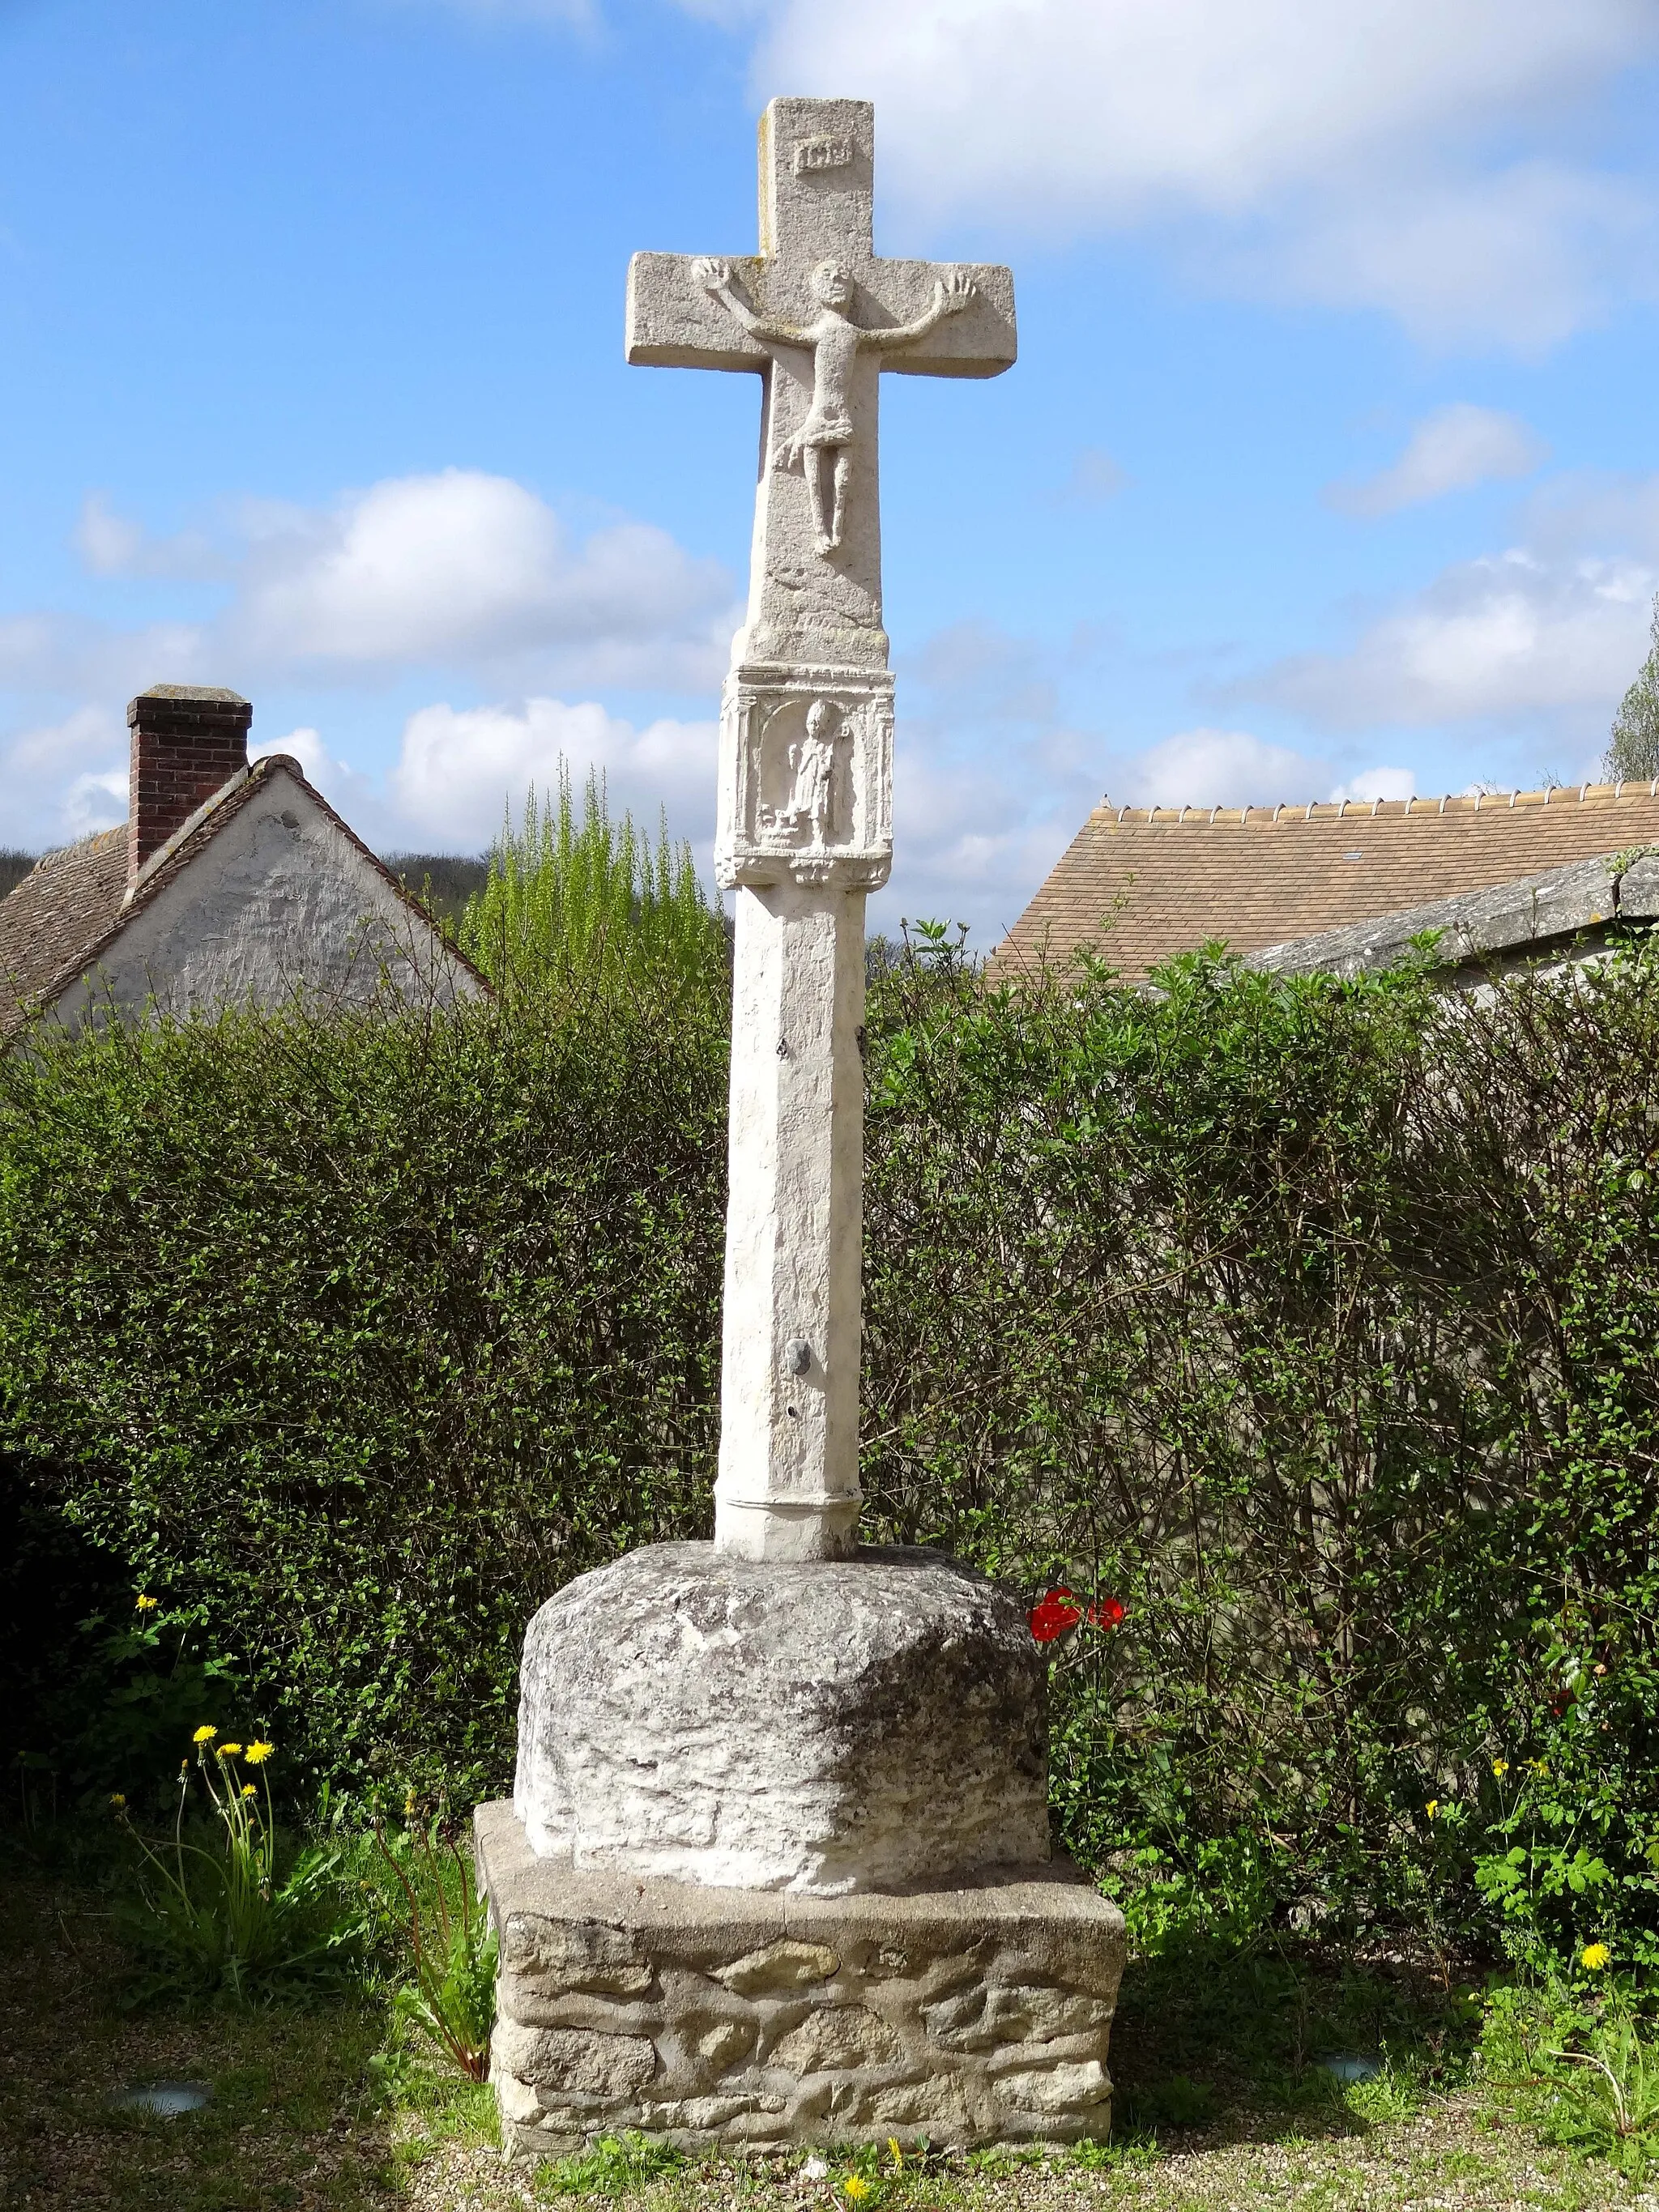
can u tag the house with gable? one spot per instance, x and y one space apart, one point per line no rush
230 882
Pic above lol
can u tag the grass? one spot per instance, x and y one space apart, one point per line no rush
1222 2104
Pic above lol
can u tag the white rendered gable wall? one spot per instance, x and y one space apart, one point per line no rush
278 900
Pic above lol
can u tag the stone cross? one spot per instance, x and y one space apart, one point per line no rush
805 827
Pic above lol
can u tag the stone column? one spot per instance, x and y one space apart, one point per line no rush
788 1486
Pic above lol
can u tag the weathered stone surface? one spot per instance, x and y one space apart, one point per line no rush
780 1966
844 1725
981 2018
724 2043
573 2062
850 2036
1563 914
520 2105
575 1955
970 2014
1059 2089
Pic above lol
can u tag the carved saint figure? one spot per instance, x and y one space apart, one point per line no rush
813 759
820 447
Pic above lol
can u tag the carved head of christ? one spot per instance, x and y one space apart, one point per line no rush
832 286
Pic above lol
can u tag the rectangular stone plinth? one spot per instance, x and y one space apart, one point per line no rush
751 2018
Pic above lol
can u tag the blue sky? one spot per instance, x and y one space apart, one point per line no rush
1330 463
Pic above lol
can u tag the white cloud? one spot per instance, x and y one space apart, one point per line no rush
76 655
975 834
1373 783
459 769
1521 257
1512 635
457 569
1452 450
1095 478
111 544
95 802
62 779
1401 153
1220 767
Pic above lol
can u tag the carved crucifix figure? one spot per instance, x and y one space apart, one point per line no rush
805 826
819 446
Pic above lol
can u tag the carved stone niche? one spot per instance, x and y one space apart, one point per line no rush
805 778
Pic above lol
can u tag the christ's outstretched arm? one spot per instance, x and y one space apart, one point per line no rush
951 297
716 276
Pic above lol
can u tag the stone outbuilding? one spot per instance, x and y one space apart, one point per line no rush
1564 918
1143 884
229 884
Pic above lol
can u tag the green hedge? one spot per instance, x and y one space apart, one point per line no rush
1314 1324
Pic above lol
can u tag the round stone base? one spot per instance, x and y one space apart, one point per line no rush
824 1728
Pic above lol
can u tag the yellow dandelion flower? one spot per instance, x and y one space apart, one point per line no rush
1500 1767
145 1604
1595 1956
1432 1807
204 1735
248 1790
117 1800
230 1750
257 1754
856 2187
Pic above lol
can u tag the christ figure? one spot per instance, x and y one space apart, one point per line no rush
820 447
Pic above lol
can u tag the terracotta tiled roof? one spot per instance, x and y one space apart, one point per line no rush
66 901
1145 883
70 908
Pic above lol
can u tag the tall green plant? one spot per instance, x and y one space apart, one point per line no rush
212 1913
589 897
1632 754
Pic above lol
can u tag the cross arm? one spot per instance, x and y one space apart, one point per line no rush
981 341
674 322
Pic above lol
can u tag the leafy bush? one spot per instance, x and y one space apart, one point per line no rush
102 1685
1310 1323
355 1340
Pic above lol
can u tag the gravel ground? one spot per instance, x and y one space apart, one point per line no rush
1448 2158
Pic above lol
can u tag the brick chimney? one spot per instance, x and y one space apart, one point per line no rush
187 742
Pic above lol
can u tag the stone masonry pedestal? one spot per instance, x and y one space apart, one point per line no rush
759 2019
778 1869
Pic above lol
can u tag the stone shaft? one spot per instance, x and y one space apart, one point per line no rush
975 2013
788 1484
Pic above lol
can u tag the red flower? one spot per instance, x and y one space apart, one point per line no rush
1106 1615
1053 1613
